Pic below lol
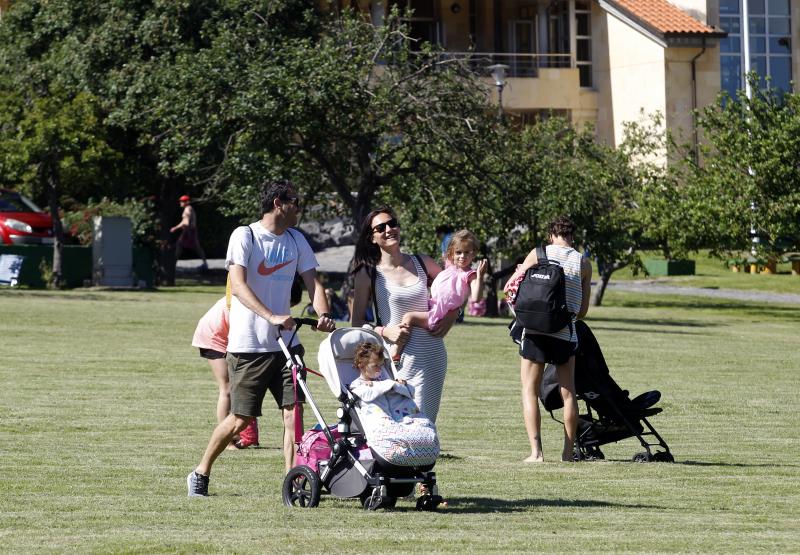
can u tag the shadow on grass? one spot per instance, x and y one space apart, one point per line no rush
752 308
648 330
738 465
591 320
473 505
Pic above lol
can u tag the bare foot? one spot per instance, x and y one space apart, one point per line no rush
534 459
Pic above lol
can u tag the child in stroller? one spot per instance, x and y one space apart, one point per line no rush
363 455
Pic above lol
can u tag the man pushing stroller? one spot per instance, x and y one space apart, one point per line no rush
262 261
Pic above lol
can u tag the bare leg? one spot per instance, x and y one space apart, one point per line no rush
289 447
220 438
418 319
531 378
219 367
199 250
566 379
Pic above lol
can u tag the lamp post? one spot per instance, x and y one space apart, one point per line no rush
499 75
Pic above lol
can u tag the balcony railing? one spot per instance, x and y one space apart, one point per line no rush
519 65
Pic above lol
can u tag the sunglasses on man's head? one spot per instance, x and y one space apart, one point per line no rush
291 199
381 227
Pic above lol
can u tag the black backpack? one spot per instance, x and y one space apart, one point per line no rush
541 303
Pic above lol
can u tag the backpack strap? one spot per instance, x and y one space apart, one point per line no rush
228 293
541 255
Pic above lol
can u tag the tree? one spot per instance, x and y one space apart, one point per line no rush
49 142
750 177
351 110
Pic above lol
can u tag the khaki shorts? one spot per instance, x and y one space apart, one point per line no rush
252 374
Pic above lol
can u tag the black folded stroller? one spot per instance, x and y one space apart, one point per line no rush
611 415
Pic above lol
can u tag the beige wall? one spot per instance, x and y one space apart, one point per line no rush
556 89
678 81
630 80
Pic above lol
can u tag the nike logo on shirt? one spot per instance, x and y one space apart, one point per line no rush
264 271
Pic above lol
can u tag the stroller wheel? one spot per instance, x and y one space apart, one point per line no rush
301 488
663 456
372 500
642 457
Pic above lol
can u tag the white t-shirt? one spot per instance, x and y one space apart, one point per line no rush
271 261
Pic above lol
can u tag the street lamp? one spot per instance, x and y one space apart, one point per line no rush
499 75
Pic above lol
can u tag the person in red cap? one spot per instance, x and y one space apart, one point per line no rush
189 238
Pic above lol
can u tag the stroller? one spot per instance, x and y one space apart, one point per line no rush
617 415
338 458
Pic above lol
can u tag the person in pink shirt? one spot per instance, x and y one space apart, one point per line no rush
452 286
211 337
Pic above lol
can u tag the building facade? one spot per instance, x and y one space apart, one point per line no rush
604 62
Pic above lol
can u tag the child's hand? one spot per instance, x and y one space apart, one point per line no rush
401 382
483 264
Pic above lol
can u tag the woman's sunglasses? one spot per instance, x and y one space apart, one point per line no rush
381 227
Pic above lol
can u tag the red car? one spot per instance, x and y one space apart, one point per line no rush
22 222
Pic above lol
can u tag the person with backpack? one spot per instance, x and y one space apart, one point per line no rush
262 261
554 285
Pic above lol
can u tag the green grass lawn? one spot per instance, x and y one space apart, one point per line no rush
105 408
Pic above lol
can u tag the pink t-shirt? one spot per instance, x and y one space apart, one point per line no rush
212 329
448 291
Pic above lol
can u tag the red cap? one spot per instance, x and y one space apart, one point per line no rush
185 198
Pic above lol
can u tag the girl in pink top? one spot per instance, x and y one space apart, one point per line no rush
451 288
211 337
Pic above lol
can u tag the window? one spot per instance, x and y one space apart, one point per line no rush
524 118
423 25
769 26
583 54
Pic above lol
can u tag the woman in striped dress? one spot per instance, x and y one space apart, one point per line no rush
400 287
537 349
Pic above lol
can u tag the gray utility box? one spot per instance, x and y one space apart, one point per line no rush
112 252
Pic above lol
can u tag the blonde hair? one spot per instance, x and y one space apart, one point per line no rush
364 352
459 238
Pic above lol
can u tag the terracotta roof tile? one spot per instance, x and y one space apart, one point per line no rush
664 17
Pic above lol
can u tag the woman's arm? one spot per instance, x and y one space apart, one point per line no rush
361 292
361 297
529 261
445 323
586 287
431 267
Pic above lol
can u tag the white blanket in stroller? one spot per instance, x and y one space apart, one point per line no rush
395 428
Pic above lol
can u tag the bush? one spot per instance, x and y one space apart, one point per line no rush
79 222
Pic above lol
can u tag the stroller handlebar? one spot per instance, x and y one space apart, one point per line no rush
300 322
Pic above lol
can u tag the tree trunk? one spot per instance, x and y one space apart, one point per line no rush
605 271
166 242
491 290
52 182
600 289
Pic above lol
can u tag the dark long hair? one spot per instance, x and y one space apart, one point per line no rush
367 252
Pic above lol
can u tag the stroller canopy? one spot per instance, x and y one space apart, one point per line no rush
336 357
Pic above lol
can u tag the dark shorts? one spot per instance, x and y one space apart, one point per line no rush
211 354
542 348
252 374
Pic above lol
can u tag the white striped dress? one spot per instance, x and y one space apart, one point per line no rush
570 261
424 360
